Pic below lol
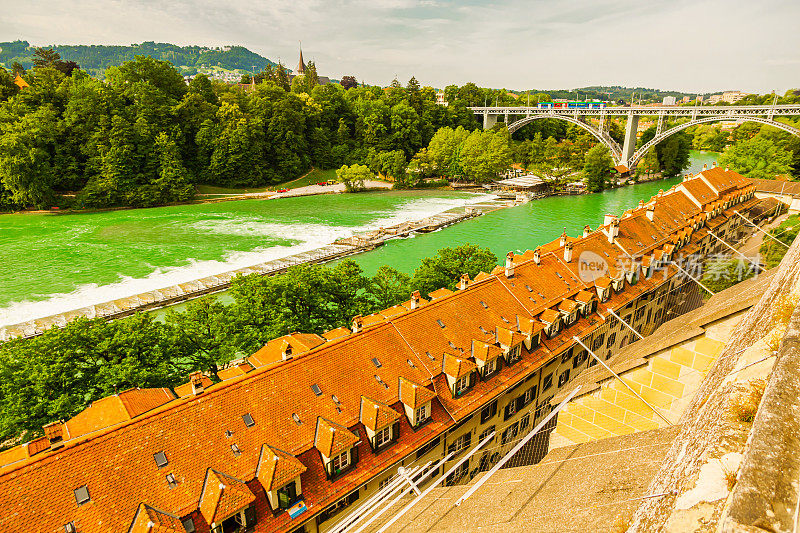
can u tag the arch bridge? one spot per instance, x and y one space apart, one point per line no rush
516 117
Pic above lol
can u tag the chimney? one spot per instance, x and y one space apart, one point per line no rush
414 299
55 433
705 166
536 256
510 264
660 193
641 203
587 229
726 169
568 252
686 177
714 164
358 323
463 282
563 237
196 379
613 230
651 210
607 219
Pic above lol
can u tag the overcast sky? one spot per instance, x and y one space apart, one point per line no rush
688 45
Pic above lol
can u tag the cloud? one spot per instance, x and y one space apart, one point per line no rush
697 45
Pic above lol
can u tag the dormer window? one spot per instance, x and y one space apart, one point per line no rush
489 368
514 355
383 437
461 384
341 461
421 414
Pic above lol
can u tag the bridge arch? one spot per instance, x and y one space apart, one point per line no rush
605 138
637 156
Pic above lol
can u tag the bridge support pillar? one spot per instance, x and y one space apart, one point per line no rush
629 147
489 121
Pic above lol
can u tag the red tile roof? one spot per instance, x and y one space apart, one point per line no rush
376 415
332 439
484 351
118 408
295 343
151 520
277 468
413 394
223 496
457 367
239 369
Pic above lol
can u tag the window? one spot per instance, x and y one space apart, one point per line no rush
376 362
161 459
639 314
563 378
188 525
461 385
611 340
524 421
598 342
513 354
171 481
441 324
528 397
428 447
338 506
535 340
580 357
485 433
566 355
547 382
287 495
316 389
510 410
460 444
490 367
509 434
81 495
457 474
341 461
235 449
488 412
248 420
421 415
383 437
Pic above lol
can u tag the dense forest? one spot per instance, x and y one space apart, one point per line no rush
94 59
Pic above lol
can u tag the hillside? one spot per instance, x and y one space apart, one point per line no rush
95 58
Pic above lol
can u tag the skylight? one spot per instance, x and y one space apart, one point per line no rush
335 399
411 363
248 420
451 344
296 419
431 357
441 324
376 362
316 389
81 495
171 481
485 306
161 459
236 451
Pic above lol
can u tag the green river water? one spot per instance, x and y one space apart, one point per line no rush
55 263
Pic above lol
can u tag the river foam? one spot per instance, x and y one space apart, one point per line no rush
301 237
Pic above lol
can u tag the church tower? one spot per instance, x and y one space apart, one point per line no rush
301 66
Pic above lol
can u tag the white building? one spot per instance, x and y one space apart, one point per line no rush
669 100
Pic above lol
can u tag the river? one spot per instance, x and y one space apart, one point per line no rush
56 263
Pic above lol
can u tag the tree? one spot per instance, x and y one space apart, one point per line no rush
389 287
757 158
348 82
673 153
447 266
597 168
246 79
354 176
485 155
722 272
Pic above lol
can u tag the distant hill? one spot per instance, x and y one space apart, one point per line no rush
95 58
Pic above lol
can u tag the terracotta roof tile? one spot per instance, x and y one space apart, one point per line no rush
413 394
223 496
293 344
483 351
239 369
337 333
376 415
332 438
118 408
186 389
457 367
440 293
277 468
150 520
549 316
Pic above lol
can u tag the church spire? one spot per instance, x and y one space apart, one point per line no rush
301 67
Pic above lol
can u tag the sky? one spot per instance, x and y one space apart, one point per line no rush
694 46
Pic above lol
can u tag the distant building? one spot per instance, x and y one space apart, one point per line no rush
714 99
440 98
732 97
669 100
685 99
301 71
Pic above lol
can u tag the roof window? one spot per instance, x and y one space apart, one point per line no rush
430 356
485 306
161 459
441 324
248 420
171 481
411 363
335 399
296 419
81 495
453 346
316 389
376 362
235 449
69 527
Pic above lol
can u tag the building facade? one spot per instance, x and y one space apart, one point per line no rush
292 437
